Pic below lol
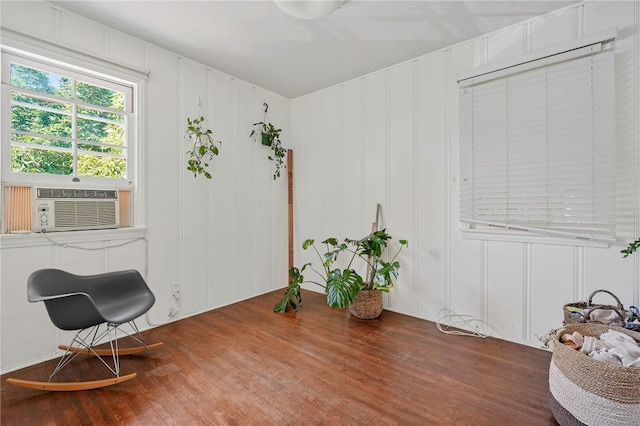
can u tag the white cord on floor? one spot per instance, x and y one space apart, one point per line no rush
449 322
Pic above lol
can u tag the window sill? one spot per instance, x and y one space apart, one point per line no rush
70 237
528 237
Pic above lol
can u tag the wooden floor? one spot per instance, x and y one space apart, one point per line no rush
245 365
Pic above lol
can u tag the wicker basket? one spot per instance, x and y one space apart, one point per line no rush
367 305
588 307
586 391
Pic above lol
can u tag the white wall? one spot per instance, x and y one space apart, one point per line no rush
388 137
392 137
224 239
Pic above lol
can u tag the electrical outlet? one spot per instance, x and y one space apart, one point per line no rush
174 310
175 289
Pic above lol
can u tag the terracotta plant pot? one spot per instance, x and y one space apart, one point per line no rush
368 305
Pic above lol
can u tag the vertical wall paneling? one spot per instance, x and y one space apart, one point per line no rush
211 94
400 182
56 22
330 137
41 12
81 34
352 154
375 147
447 182
484 281
465 255
518 288
263 183
578 22
552 285
526 249
222 192
243 178
363 154
197 230
526 292
415 181
35 334
279 243
505 44
387 150
526 37
165 150
311 213
557 27
430 242
105 41
578 274
506 289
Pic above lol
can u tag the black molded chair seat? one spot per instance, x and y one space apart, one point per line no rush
75 302
85 303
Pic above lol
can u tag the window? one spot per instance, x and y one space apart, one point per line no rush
537 146
66 123
70 127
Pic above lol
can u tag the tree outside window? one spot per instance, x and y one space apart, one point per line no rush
64 125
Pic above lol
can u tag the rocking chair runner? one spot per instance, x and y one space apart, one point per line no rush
85 303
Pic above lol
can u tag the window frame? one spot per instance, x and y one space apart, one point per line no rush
85 75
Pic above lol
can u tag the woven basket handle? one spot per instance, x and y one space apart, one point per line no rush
608 292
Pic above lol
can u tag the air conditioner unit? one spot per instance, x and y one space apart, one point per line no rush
70 209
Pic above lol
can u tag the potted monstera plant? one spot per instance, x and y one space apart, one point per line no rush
360 291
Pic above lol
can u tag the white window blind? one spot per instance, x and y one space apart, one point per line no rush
537 146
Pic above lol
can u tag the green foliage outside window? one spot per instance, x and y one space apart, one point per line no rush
42 126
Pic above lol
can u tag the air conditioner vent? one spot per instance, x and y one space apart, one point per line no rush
107 194
62 209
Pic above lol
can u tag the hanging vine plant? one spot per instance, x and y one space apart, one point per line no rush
631 248
204 147
270 136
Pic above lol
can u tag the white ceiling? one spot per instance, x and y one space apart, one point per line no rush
257 42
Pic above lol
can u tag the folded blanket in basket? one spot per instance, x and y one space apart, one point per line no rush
613 347
585 391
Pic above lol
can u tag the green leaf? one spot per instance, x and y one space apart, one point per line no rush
342 287
332 241
292 297
631 248
307 243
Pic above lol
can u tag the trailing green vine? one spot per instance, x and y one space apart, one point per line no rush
204 148
632 247
270 136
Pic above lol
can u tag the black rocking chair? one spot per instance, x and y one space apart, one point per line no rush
85 303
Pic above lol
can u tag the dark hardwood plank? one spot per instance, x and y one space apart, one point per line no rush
243 364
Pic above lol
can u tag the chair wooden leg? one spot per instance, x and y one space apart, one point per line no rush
70 386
